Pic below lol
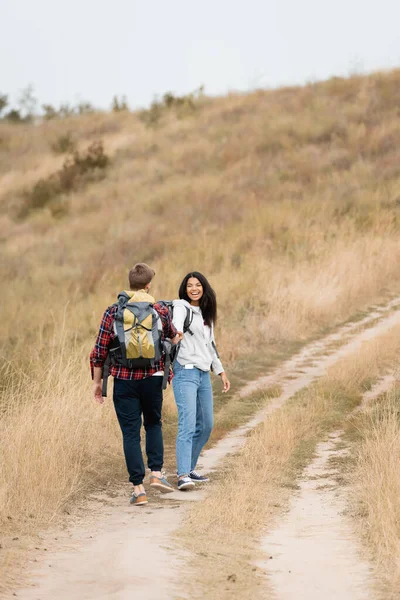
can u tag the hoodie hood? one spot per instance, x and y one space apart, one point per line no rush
186 304
136 296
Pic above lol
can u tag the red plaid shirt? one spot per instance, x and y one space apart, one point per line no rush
106 334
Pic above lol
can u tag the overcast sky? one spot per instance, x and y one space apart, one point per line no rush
76 50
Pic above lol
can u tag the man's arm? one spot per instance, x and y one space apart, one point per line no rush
97 384
169 330
99 353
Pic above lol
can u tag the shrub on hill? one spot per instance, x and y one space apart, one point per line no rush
119 105
14 116
182 105
63 144
77 170
3 102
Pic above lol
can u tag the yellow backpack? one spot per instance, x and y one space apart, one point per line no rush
137 328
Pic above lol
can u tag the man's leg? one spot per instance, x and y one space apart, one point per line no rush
204 417
151 404
151 401
128 409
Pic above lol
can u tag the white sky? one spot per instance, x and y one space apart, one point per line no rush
75 50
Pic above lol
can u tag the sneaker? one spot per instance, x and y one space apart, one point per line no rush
160 483
185 483
138 499
195 476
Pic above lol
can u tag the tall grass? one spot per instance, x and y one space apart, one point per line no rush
375 488
57 443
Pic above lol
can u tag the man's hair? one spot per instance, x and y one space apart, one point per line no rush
140 275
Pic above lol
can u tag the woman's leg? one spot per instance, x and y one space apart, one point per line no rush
204 417
185 384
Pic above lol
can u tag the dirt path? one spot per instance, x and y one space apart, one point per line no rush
315 553
115 551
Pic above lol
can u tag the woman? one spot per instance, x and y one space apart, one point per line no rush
197 354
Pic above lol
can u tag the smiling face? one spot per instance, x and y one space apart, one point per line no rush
194 290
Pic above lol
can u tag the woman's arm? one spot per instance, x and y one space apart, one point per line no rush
169 330
217 365
216 362
179 316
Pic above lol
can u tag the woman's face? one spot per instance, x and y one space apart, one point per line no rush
194 290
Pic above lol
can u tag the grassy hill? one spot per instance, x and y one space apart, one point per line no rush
288 200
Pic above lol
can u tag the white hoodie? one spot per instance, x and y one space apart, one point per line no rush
196 349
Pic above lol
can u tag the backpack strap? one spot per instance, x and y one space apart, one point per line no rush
106 372
107 362
188 321
171 353
215 348
186 329
167 351
123 300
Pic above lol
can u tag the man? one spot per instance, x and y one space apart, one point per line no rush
137 391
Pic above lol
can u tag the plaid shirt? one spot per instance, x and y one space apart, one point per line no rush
106 334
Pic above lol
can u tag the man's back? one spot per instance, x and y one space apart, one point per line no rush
107 336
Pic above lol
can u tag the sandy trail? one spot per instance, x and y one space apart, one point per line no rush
115 552
314 550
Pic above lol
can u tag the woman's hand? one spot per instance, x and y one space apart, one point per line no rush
225 382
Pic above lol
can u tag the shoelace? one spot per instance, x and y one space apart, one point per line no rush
195 473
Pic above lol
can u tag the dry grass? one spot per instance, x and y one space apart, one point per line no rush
375 488
255 485
291 211
257 482
54 447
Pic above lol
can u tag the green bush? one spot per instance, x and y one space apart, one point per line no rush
77 171
119 105
3 102
63 144
181 105
49 112
14 116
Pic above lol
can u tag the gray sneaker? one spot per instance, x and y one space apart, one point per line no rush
185 483
138 499
161 484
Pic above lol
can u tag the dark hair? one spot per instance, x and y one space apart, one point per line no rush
140 275
208 301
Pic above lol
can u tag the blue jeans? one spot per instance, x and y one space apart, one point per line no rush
194 399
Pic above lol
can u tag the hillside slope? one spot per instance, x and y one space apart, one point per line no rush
250 189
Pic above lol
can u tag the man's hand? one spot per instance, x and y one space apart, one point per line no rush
98 385
97 392
225 382
178 338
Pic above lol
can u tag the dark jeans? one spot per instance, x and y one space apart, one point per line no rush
131 400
